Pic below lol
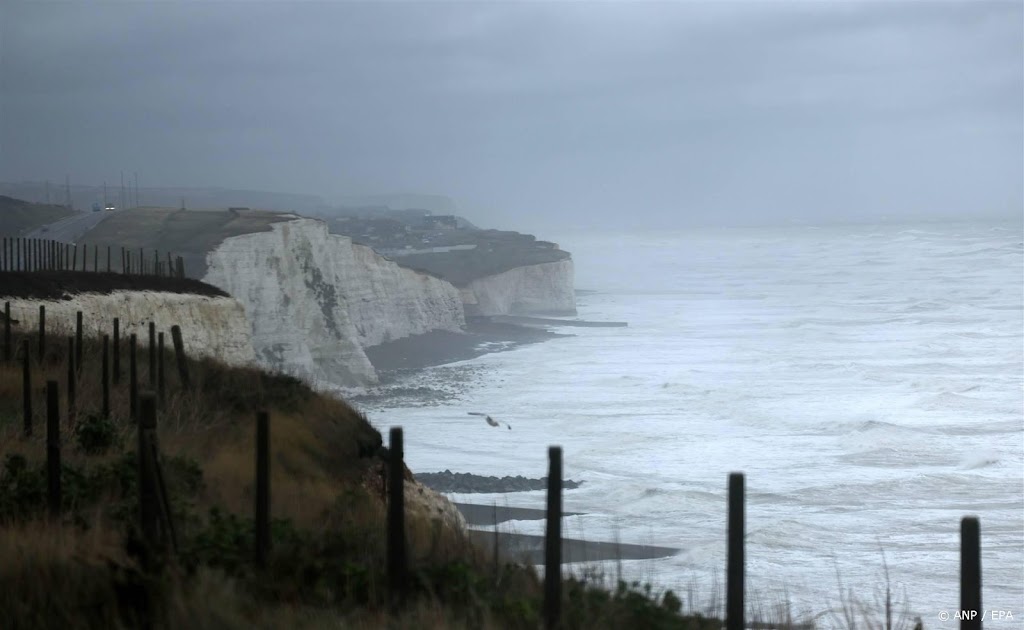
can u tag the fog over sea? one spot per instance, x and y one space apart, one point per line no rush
867 379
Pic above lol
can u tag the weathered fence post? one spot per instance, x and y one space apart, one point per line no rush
4 263
52 450
78 340
160 389
71 381
970 573
156 261
74 258
124 262
181 267
116 376
95 257
106 376
152 355
149 507
42 332
18 256
108 258
26 388
133 381
262 488
7 331
396 552
734 605
553 542
182 360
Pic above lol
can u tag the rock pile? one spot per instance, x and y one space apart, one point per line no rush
448 481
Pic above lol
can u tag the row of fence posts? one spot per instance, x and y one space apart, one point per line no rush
158 530
157 375
33 254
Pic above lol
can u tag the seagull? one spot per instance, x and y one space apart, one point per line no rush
491 421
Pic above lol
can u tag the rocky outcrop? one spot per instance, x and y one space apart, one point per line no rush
543 289
420 499
211 326
467 483
315 300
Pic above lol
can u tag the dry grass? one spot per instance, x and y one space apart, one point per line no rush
326 569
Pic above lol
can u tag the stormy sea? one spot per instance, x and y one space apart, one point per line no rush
866 379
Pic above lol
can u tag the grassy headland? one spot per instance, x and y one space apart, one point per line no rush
327 563
18 217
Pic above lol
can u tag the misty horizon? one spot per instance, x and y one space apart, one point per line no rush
534 116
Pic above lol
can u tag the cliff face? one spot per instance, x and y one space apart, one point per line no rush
210 326
315 299
546 288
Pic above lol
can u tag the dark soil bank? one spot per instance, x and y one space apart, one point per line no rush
439 347
448 481
63 285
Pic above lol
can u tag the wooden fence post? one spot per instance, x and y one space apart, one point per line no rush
149 507
26 388
133 381
74 258
106 376
553 542
262 488
970 573
181 267
734 605
124 262
78 340
116 375
108 258
396 550
160 389
52 450
7 331
42 332
152 355
72 373
182 360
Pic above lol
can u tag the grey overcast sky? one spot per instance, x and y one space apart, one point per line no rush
534 114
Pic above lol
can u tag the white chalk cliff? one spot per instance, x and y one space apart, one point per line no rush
212 327
315 299
544 289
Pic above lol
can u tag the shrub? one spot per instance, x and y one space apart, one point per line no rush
95 435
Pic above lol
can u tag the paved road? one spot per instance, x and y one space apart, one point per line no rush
70 229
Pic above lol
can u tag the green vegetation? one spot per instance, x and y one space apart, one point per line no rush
18 217
187 233
460 267
326 567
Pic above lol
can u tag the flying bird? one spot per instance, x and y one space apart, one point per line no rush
491 421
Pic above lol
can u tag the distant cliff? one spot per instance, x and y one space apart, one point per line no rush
315 299
543 289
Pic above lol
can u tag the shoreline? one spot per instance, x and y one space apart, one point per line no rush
483 335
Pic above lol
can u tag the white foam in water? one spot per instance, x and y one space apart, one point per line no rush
868 381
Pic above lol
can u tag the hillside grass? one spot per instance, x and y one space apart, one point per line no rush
327 563
187 233
18 217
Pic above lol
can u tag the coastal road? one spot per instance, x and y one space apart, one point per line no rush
70 229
